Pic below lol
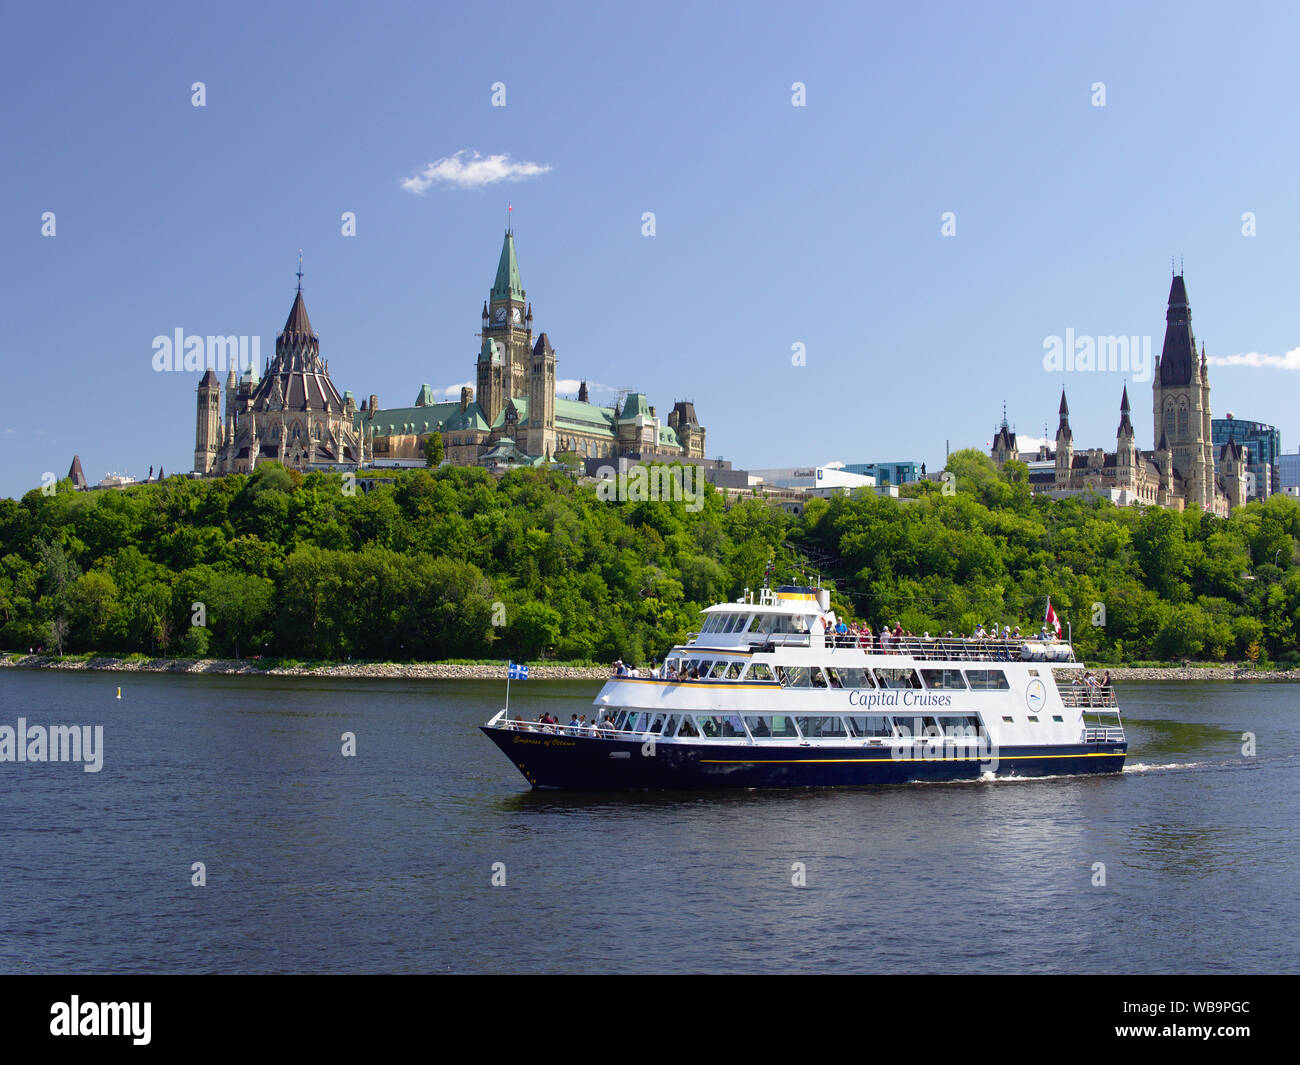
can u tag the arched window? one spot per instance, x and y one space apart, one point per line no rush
1169 418
1182 419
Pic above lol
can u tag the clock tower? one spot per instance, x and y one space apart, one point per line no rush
510 322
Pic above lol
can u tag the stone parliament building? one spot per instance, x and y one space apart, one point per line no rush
291 412
1181 471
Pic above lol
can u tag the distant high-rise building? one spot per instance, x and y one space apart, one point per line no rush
1263 444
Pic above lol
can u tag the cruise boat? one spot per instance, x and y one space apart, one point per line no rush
767 695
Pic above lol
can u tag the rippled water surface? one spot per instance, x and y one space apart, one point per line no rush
383 862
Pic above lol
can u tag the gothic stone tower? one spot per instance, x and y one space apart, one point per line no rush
509 323
1181 401
1064 446
208 434
539 438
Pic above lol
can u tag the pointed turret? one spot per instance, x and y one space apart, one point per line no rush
507 284
1178 356
1063 429
1125 422
298 322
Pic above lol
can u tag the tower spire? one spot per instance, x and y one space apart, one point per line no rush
299 269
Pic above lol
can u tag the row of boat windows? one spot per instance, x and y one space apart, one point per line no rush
839 676
760 623
792 727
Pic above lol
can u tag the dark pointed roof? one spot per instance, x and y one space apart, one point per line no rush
209 380
76 474
1063 430
296 377
543 346
298 322
1178 357
1125 423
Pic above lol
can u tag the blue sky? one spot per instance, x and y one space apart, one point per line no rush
775 225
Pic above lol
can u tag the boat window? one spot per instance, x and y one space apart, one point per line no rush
757 621
870 725
710 623
688 727
1057 717
818 678
734 670
956 727
1009 720
759 671
898 678
656 725
700 668
730 727
855 678
795 676
982 680
739 626
830 726
943 678
620 719
771 726
918 726
719 670
670 726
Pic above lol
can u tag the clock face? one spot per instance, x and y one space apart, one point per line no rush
501 314
517 316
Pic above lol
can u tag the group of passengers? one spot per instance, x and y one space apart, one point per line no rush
1091 680
578 726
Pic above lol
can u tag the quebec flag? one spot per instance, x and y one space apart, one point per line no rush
518 672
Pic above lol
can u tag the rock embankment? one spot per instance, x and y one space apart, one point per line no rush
1121 673
358 670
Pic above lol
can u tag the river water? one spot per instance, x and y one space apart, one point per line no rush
384 862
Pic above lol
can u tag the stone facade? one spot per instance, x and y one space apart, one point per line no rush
1181 471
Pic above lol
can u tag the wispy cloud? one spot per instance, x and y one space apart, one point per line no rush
469 170
572 384
1289 361
453 391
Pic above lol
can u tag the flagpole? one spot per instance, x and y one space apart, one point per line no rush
507 689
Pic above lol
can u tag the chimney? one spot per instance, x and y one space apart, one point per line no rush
466 397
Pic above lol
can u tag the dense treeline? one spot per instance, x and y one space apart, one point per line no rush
443 564
453 563
1135 583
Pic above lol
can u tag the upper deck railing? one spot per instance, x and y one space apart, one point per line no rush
935 649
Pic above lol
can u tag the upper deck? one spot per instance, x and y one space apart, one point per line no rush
796 618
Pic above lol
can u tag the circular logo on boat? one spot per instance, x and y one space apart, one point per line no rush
1035 696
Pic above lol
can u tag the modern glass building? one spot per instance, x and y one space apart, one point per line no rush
1263 443
887 472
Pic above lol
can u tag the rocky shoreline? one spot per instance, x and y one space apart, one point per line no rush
359 670
447 671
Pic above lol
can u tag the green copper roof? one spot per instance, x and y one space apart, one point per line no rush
668 435
507 284
425 398
436 417
584 417
634 405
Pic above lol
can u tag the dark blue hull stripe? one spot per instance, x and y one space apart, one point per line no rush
581 763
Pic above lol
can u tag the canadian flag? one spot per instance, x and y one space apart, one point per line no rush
1051 619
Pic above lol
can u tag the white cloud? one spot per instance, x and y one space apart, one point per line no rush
572 384
453 391
1289 361
469 170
